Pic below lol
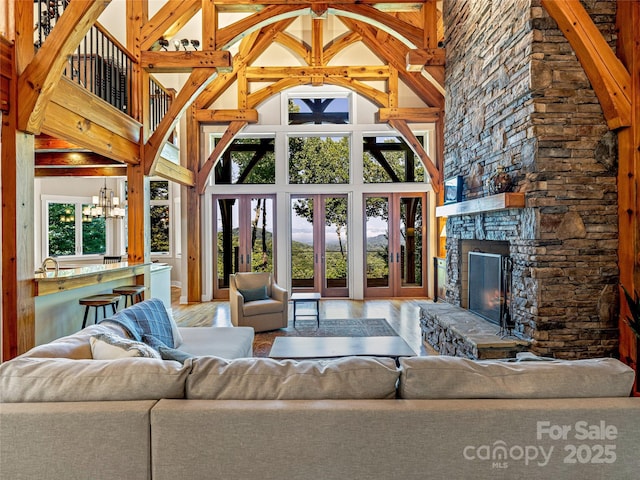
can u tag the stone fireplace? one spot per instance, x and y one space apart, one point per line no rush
531 111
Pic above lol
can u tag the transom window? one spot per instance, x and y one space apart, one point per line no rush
318 111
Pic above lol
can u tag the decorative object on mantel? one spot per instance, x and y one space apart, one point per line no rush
499 181
453 189
106 205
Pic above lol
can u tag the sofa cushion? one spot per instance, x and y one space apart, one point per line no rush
269 379
76 346
107 346
65 380
260 307
454 377
253 294
224 342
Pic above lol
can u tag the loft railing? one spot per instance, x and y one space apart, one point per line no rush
159 101
101 64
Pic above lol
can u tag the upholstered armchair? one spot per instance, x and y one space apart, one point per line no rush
256 301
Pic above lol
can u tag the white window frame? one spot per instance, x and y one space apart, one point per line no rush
78 202
161 203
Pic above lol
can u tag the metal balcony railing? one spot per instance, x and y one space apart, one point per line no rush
101 64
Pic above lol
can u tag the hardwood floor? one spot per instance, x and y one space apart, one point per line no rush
402 314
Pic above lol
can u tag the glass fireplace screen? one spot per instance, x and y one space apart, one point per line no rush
485 285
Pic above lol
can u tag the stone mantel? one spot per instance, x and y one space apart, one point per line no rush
501 201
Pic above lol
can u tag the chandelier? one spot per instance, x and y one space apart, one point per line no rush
106 205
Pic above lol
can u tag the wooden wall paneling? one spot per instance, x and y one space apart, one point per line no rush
6 73
193 206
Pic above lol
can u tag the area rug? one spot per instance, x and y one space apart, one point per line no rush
329 327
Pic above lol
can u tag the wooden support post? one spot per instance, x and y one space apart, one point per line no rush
628 177
18 302
193 200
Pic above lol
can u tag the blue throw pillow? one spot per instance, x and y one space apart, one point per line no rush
253 294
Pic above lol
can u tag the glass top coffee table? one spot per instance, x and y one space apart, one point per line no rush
329 347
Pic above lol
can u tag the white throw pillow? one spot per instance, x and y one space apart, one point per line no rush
106 346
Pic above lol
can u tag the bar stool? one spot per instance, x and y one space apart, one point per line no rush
100 300
130 292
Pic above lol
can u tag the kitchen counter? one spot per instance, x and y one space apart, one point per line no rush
77 276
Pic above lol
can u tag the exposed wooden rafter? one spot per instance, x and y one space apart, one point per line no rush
184 61
223 143
197 82
168 21
403 128
608 76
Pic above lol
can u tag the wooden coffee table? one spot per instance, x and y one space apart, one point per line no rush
328 347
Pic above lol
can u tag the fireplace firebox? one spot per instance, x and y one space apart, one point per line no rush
486 285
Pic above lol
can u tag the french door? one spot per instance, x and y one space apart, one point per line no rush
243 237
319 254
395 246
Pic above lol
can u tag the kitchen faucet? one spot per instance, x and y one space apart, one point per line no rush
43 267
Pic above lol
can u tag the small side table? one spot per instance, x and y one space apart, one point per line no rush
314 298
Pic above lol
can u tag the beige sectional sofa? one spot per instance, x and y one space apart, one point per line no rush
68 416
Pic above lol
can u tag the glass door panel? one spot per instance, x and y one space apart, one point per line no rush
227 239
303 253
319 255
262 216
377 242
394 234
243 237
411 245
335 240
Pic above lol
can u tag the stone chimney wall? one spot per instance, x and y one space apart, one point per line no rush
517 97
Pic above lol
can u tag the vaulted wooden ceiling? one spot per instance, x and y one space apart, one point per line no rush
404 36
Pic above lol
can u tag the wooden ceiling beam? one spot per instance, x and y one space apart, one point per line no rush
608 76
229 35
384 21
294 45
410 115
221 146
174 172
339 44
249 51
168 21
392 51
403 128
81 171
208 116
262 74
184 61
39 79
73 159
195 84
416 59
